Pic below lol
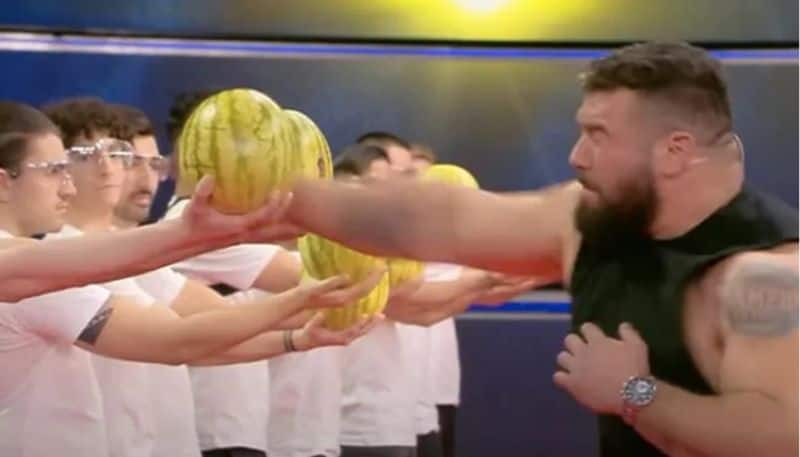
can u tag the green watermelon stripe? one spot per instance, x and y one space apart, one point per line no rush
213 143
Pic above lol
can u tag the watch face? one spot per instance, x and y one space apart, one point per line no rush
639 391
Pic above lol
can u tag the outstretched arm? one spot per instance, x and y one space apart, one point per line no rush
522 233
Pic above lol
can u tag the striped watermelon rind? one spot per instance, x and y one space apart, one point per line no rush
323 258
245 140
315 149
404 270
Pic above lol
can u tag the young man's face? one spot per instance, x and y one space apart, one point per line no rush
141 181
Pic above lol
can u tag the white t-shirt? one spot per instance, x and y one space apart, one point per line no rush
445 363
124 385
416 346
417 343
377 393
305 403
237 266
170 389
231 401
49 398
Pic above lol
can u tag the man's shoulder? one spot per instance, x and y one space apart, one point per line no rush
783 254
757 289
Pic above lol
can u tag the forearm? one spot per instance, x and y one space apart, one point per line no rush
39 267
431 295
732 425
389 219
260 347
201 334
409 314
513 233
295 321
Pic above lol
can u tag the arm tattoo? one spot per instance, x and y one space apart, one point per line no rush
760 299
95 326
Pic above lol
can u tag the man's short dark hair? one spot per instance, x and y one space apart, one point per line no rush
423 151
685 76
383 139
84 116
18 123
356 159
135 122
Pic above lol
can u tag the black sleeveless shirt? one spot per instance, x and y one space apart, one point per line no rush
644 283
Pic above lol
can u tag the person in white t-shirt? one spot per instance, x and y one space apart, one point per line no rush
445 362
169 428
231 402
28 270
49 399
386 412
305 401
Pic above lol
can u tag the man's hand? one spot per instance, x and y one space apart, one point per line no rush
504 287
338 290
595 367
265 224
314 334
404 291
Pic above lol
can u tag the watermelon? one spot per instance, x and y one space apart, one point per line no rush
404 270
450 174
312 143
242 138
323 258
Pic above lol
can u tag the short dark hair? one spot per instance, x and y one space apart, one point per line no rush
182 107
685 76
18 123
383 139
135 122
84 116
356 159
423 151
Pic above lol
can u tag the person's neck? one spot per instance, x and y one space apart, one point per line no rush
90 219
686 204
9 223
123 223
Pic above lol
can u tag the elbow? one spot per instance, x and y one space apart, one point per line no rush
179 353
176 360
425 319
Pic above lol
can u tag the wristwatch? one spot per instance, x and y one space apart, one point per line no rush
637 393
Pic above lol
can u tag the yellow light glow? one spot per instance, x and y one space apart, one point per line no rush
482 6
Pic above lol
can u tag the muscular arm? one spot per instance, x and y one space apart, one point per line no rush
756 410
521 233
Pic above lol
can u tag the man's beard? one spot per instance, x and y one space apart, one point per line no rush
133 213
621 223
